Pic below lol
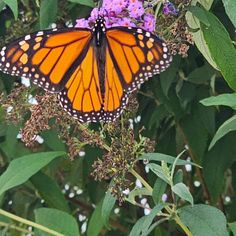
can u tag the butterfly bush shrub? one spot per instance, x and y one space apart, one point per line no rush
165 167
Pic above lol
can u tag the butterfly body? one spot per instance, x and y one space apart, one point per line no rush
92 70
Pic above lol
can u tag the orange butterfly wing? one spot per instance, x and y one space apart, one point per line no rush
82 97
93 82
47 57
132 56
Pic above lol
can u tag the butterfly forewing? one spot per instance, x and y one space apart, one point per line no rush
137 55
46 57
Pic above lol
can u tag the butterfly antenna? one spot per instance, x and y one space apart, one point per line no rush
100 3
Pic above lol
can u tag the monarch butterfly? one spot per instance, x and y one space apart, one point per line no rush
92 70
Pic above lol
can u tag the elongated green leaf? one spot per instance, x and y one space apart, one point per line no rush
14 6
143 224
205 3
149 218
216 162
136 230
232 227
166 158
48 12
225 57
50 191
56 220
202 74
182 191
228 126
196 11
204 220
21 169
89 3
2 5
199 40
107 206
95 224
137 192
158 190
227 99
230 8
178 177
196 128
157 169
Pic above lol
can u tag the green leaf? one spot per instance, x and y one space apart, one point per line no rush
183 192
228 126
168 76
158 190
198 122
48 13
225 57
137 192
89 3
14 6
52 140
232 227
205 3
143 224
230 8
137 228
56 220
202 74
178 177
95 224
227 99
107 206
157 169
199 39
204 220
166 158
216 162
2 5
50 191
196 11
21 169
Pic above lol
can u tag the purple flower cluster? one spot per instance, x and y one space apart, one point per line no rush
169 9
120 13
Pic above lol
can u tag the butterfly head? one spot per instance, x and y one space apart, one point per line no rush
99 30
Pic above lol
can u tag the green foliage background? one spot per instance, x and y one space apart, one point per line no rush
190 105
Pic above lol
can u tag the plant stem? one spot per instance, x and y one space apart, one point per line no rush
6 225
142 180
168 209
30 223
183 226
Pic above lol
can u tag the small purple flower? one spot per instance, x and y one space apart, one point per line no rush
169 9
149 22
124 22
95 13
82 23
128 13
135 9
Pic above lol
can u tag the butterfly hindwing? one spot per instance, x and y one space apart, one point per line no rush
46 57
82 97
